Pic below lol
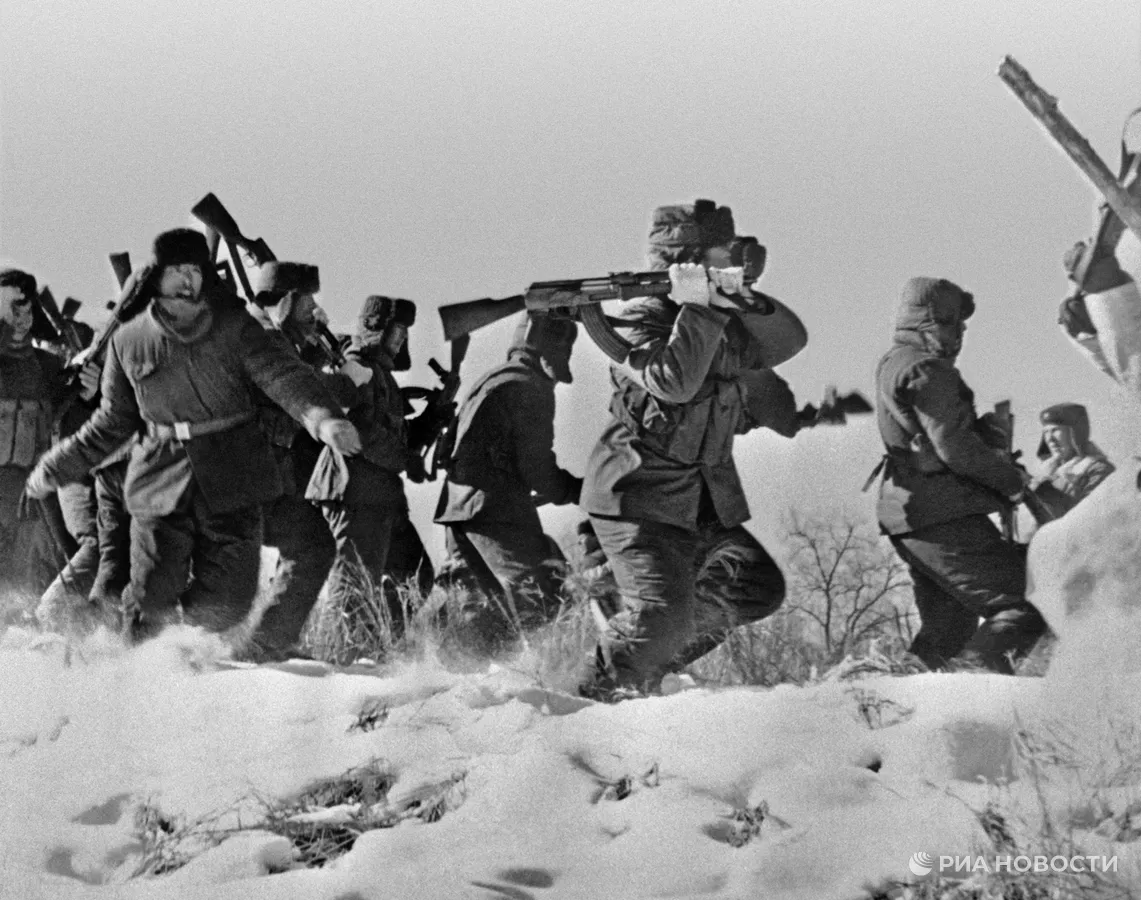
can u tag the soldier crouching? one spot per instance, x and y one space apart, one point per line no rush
503 467
183 372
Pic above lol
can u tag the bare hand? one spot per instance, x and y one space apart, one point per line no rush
39 485
359 374
341 435
90 376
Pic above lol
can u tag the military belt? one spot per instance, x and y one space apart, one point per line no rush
184 431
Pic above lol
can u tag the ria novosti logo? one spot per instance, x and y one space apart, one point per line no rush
923 864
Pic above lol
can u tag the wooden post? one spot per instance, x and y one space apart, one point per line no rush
1044 108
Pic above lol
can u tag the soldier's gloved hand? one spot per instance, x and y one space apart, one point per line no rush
1104 275
1074 316
726 283
689 283
90 375
319 315
359 374
39 484
341 435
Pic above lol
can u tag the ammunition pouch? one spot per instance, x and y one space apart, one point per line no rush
699 431
25 431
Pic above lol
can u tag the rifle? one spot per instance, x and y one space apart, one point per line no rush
328 344
217 219
121 266
443 434
579 298
63 323
1004 417
221 226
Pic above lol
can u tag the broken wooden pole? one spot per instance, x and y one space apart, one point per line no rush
1044 108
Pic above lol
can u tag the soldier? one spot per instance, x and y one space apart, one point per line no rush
31 386
288 311
183 372
65 604
943 474
502 468
1073 465
364 502
661 488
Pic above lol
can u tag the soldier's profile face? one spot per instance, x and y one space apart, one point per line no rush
16 311
183 281
395 336
303 312
1060 440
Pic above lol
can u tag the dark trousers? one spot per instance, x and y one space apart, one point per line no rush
207 560
512 571
68 593
963 571
408 561
28 562
363 534
113 524
306 551
682 592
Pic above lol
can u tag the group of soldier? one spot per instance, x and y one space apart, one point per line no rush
207 427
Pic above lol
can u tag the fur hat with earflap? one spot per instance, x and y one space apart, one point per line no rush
377 313
682 233
1075 417
180 246
279 283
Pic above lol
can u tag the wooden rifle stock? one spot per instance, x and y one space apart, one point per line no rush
121 266
64 327
217 219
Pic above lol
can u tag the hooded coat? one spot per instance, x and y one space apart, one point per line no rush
937 466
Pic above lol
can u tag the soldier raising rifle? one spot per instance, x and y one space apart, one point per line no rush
661 486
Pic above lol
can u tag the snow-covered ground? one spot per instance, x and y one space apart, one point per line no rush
821 792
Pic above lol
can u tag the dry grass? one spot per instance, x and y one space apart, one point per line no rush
322 823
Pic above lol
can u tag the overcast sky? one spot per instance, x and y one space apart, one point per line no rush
444 151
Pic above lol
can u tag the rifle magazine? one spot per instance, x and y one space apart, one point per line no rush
603 333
